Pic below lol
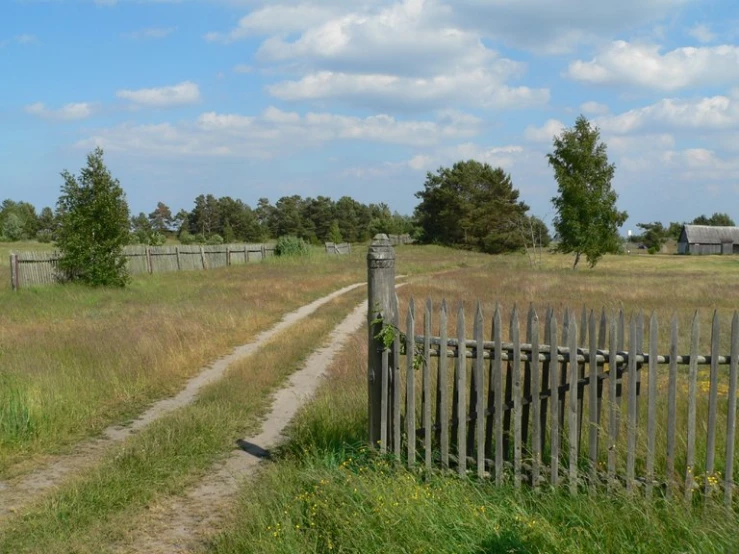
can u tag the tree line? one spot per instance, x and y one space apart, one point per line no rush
655 235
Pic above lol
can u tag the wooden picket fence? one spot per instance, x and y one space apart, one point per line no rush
41 268
518 409
338 248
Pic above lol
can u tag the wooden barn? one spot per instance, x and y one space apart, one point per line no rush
705 239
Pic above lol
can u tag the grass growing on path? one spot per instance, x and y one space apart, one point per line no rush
104 506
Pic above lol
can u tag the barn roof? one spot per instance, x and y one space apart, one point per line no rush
706 234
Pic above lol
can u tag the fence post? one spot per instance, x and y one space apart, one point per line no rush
177 253
264 252
202 257
149 265
380 296
14 271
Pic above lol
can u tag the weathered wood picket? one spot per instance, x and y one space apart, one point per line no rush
520 410
41 268
338 248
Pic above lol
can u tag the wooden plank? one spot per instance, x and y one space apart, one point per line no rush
202 257
461 377
621 340
554 433
545 382
473 404
479 378
639 351
712 403
384 399
612 405
603 330
632 409
397 394
442 419
536 434
498 380
149 265
731 412
563 374
593 400
692 405
583 341
573 417
426 400
14 271
525 415
517 398
410 383
652 404
671 410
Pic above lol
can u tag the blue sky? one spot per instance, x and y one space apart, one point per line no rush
263 99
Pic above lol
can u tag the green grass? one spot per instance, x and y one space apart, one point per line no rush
327 493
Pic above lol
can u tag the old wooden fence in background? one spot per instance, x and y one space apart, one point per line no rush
517 410
38 268
341 248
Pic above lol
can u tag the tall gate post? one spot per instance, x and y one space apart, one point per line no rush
380 296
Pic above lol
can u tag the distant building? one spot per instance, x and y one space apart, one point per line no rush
706 239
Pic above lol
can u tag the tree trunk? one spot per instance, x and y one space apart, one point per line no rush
577 259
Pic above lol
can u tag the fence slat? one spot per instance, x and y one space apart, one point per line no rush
384 399
603 330
593 400
671 409
731 412
545 381
652 403
479 378
573 419
498 380
517 399
563 374
474 406
692 402
426 400
533 339
554 406
632 408
612 405
712 402
461 379
526 413
396 381
442 417
583 329
410 383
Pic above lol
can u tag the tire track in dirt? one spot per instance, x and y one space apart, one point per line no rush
15 494
180 524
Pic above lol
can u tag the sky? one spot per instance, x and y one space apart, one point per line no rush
252 99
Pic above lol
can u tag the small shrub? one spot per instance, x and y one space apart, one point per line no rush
289 245
186 238
214 240
653 249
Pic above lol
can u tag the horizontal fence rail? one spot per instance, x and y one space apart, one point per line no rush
579 405
338 248
41 268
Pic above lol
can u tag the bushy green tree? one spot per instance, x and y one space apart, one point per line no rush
716 220
587 220
13 228
654 236
93 226
471 205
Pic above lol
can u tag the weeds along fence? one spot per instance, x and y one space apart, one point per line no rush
594 404
338 248
40 268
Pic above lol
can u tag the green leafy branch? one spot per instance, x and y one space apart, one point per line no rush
389 332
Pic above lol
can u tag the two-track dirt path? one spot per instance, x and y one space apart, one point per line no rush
15 494
180 524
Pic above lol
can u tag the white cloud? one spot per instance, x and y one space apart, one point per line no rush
716 113
68 112
150 33
180 94
545 133
276 132
595 108
644 65
243 68
22 39
479 89
702 33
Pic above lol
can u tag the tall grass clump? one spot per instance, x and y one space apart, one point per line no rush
289 245
16 423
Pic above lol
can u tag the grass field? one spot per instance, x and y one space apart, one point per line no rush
75 360
327 493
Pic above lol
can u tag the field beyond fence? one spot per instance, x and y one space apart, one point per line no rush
41 268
